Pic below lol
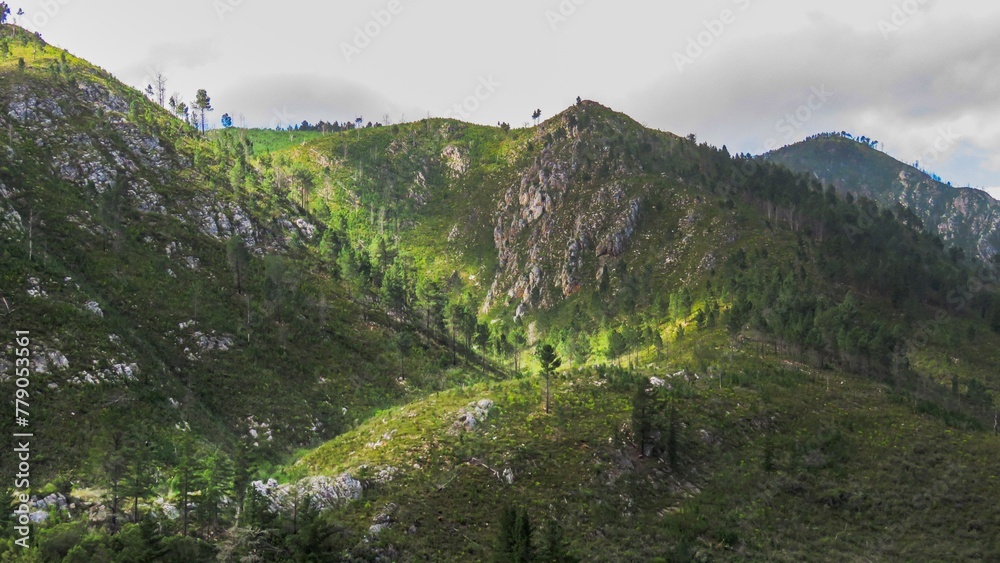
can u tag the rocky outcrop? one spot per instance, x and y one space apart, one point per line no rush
454 160
471 416
325 492
557 226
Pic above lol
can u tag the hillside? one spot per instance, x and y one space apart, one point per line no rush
625 245
161 299
261 345
963 217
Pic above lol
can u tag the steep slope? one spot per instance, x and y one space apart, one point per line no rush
628 246
201 305
964 217
159 297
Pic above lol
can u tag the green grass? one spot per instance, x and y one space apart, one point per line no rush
854 469
271 141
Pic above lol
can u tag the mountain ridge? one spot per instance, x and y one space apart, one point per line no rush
966 217
353 316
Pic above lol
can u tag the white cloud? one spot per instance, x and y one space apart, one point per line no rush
938 68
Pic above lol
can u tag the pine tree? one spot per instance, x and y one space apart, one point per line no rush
239 259
672 454
215 478
185 475
514 538
554 549
550 362
523 550
203 104
141 474
641 418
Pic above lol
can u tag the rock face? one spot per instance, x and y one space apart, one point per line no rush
453 159
575 208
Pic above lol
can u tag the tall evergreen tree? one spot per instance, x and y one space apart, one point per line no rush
514 538
203 105
554 549
550 362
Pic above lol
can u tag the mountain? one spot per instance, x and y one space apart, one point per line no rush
284 345
158 297
963 217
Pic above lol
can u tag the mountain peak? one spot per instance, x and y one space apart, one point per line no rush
961 216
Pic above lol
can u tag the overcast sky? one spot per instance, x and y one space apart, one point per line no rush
921 76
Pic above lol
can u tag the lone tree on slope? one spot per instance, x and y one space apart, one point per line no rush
203 104
546 355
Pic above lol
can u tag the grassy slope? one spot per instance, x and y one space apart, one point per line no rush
837 441
854 470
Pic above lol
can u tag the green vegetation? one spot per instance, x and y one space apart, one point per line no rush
961 217
731 361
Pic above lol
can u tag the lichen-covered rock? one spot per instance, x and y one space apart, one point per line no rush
472 415
325 492
94 308
454 160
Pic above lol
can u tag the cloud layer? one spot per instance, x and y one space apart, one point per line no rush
921 76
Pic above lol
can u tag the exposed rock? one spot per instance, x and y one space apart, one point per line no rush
454 160
209 342
54 501
258 429
94 308
326 492
223 221
35 288
569 203
470 416
306 228
45 360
